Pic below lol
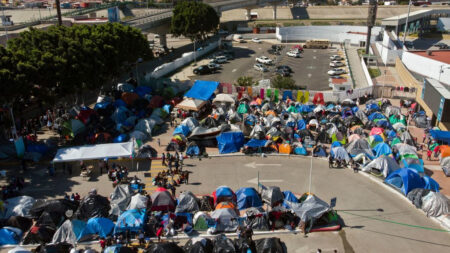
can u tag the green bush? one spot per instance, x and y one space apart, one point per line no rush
320 23
374 72
245 81
281 82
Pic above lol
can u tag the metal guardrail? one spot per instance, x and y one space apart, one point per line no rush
151 19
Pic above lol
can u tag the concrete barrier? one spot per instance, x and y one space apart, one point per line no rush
366 72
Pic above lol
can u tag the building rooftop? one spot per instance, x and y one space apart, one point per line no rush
437 55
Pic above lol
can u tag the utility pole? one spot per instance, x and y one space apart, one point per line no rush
406 24
58 12
371 17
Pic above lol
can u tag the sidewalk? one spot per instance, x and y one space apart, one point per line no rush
355 65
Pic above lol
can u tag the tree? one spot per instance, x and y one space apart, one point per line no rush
193 20
245 81
281 82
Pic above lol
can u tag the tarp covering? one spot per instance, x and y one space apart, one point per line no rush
92 152
311 208
120 198
405 180
272 195
10 236
17 206
340 153
254 143
69 232
202 90
138 201
247 197
416 195
435 204
382 149
384 164
187 203
93 205
132 220
439 135
98 226
189 104
269 245
358 146
230 142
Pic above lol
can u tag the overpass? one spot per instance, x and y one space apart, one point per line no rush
160 22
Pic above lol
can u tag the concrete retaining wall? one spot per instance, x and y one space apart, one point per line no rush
366 72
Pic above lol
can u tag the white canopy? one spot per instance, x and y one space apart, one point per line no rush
191 104
223 98
92 152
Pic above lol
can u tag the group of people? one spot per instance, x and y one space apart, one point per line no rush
73 197
13 188
117 173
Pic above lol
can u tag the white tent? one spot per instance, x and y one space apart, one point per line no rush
92 152
223 98
191 104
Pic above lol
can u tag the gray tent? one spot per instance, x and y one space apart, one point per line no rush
272 195
362 116
120 198
18 206
227 220
416 195
435 204
392 110
190 122
421 121
359 146
187 203
67 232
138 201
257 219
445 162
406 137
405 149
385 164
340 153
311 208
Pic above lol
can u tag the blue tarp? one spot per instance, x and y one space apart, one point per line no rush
383 123
193 150
166 108
254 143
300 151
289 197
336 144
376 115
247 197
304 108
230 142
8 237
182 129
143 90
340 153
119 102
132 220
38 148
355 109
301 124
77 227
382 149
405 179
100 226
330 107
320 152
102 105
121 138
372 106
121 114
202 90
439 135
430 184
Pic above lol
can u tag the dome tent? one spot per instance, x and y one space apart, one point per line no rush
405 180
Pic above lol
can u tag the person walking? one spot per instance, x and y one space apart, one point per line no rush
163 158
186 177
159 142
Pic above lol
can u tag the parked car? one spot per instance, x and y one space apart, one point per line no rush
274 52
336 58
336 64
295 54
202 70
256 40
264 60
214 66
337 71
283 72
297 48
285 67
260 67
219 59
277 47
409 44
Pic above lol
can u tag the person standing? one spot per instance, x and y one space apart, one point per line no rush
181 159
102 243
163 158
186 177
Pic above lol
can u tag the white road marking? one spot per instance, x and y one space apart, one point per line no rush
309 75
314 57
253 164
255 181
259 48
315 51
234 70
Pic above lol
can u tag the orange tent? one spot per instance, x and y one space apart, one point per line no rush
225 204
270 112
445 150
129 97
285 149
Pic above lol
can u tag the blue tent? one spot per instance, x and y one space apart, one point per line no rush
382 149
391 134
304 108
100 226
254 143
289 197
121 138
9 236
224 191
247 197
330 107
193 150
166 108
439 135
405 180
430 183
416 164
202 90
383 123
320 152
250 120
119 102
372 106
301 124
230 142
300 151
336 144
132 220
287 94
182 129
355 109
376 115
121 114
143 90
102 105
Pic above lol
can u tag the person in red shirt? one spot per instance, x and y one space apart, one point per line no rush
429 155
102 244
77 197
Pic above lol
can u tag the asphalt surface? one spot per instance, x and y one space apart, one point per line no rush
310 70
376 220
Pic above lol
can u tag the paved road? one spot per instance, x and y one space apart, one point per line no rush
357 70
310 70
358 198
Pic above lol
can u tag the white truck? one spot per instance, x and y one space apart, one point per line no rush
238 38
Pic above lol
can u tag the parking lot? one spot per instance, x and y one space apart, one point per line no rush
310 70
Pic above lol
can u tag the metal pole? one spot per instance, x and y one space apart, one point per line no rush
195 55
406 24
5 26
310 175
13 121
40 18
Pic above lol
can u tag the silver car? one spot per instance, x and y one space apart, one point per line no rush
260 67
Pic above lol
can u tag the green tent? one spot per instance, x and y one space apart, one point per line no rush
395 119
334 138
201 224
395 141
292 109
72 127
372 141
243 108
413 156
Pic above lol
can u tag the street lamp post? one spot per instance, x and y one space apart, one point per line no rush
406 24
441 70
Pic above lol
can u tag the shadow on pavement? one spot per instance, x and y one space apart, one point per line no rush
299 13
